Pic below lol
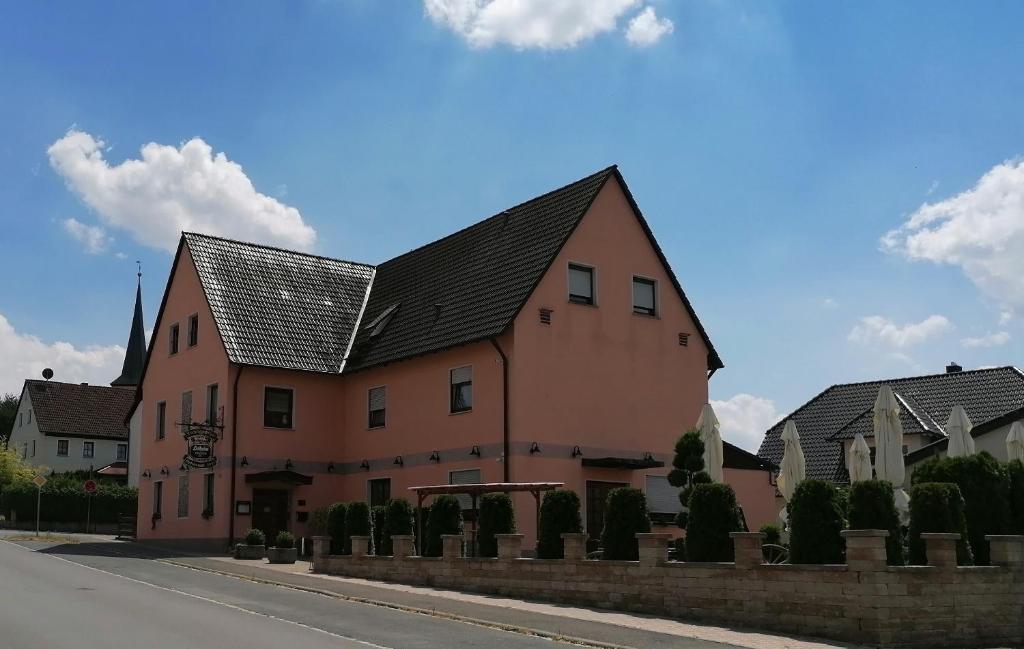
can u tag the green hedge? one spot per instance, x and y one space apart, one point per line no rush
625 514
1015 470
937 507
378 518
336 527
772 534
285 540
254 536
318 521
712 517
559 514
357 522
872 507
985 486
398 521
64 501
445 518
815 520
496 517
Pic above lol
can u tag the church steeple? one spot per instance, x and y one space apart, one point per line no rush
135 357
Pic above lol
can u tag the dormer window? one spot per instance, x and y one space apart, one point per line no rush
581 284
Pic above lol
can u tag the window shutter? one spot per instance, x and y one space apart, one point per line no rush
186 410
662 498
378 398
462 374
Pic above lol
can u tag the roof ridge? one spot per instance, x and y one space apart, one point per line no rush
252 244
930 376
605 171
79 384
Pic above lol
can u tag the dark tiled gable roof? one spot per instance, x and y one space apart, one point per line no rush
841 411
80 410
278 308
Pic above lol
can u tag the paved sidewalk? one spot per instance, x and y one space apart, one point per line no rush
597 627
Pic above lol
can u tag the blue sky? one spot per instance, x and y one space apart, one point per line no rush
771 146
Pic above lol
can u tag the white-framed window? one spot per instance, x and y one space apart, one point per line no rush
465 476
278 407
122 453
33 448
377 402
193 330
62 447
183 495
378 491
645 296
88 449
172 338
29 419
460 380
581 284
161 420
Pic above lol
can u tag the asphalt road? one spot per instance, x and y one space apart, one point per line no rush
90 596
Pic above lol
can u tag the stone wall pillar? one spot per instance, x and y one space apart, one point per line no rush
360 546
402 545
451 546
747 546
940 548
510 546
1006 550
321 549
574 546
653 547
865 549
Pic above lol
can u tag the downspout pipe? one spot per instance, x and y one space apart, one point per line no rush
234 450
505 436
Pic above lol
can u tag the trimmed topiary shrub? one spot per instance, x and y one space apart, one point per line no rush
985 486
398 521
872 507
772 534
336 527
254 536
937 507
318 521
496 517
625 514
815 520
688 465
357 523
378 518
712 517
559 514
285 540
1015 470
445 518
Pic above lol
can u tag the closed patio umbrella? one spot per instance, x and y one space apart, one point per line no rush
1015 442
889 447
792 469
959 426
710 434
859 460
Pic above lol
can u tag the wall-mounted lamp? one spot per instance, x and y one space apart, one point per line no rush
165 471
576 452
147 474
399 461
288 466
534 448
330 467
648 457
245 461
475 450
435 457
365 464
184 467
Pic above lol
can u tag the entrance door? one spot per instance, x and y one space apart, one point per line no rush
597 496
270 512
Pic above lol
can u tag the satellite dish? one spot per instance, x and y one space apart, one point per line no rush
47 374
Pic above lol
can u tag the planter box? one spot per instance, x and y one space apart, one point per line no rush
282 555
243 551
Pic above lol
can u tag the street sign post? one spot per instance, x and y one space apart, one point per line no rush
90 489
39 481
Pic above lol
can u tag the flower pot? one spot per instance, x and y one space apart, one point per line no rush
282 555
243 551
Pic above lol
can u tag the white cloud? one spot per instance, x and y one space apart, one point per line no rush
932 188
1005 317
829 303
92 237
542 24
172 189
745 418
980 230
24 357
988 340
878 329
646 28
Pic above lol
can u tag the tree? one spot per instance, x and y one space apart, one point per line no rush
12 469
688 470
8 411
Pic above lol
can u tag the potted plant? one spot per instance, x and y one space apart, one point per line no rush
284 550
254 546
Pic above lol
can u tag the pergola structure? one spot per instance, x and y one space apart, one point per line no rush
474 491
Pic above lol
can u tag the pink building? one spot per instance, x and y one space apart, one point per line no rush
550 342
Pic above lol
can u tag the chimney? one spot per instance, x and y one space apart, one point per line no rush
953 368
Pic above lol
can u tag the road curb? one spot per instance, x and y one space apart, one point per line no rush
455 617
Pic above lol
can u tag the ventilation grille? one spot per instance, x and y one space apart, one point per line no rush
684 340
545 316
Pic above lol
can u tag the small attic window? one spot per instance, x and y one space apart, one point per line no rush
545 316
377 325
684 340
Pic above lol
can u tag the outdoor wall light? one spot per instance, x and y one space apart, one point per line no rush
288 466
534 448
183 468
399 461
648 457
245 461
147 474
475 450
330 467
365 464
165 471
576 452
435 457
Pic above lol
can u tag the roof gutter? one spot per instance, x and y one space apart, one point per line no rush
234 450
505 435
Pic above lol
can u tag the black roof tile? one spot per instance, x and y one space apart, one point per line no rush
80 410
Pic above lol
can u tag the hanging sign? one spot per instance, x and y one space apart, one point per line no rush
199 443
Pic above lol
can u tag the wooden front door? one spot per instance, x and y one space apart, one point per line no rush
597 496
270 512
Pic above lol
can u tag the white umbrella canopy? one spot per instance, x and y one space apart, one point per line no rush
889 447
959 426
859 460
792 469
710 434
1015 442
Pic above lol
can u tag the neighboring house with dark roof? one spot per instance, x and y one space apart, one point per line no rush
828 423
551 341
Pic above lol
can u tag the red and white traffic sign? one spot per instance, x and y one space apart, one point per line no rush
90 487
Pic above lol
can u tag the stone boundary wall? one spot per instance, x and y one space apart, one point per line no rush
863 601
